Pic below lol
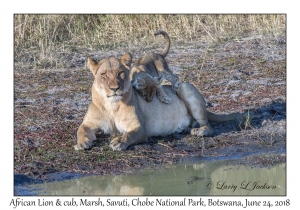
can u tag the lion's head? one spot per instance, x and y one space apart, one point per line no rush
112 76
147 86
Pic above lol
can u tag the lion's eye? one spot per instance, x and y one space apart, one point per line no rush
103 75
121 75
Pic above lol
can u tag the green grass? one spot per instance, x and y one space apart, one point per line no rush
248 120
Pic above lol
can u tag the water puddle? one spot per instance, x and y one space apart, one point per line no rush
207 178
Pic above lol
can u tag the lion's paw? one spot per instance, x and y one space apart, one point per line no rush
83 145
162 96
117 145
166 99
202 131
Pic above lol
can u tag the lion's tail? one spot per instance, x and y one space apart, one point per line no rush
168 42
222 117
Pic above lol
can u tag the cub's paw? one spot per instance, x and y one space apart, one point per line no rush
162 96
117 144
202 131
83 145
166 99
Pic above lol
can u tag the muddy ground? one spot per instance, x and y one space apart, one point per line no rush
246 74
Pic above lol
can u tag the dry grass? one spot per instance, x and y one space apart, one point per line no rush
40 40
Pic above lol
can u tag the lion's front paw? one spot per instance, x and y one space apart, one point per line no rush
165 99
117 144
83 145
202 131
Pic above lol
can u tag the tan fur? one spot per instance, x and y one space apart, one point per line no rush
117 109
151 68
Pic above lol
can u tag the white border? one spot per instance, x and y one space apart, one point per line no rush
116 6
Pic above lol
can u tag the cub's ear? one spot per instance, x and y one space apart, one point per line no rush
157 80
126 60
93 66
139 84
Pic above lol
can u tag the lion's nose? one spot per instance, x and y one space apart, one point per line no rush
115 89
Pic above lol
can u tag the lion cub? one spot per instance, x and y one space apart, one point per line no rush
148 72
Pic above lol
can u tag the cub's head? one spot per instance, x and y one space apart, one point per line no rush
147 86
111 76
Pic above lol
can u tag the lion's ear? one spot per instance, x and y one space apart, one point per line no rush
93 66
126 60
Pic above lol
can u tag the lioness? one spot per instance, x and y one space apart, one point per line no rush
148 72
116 108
